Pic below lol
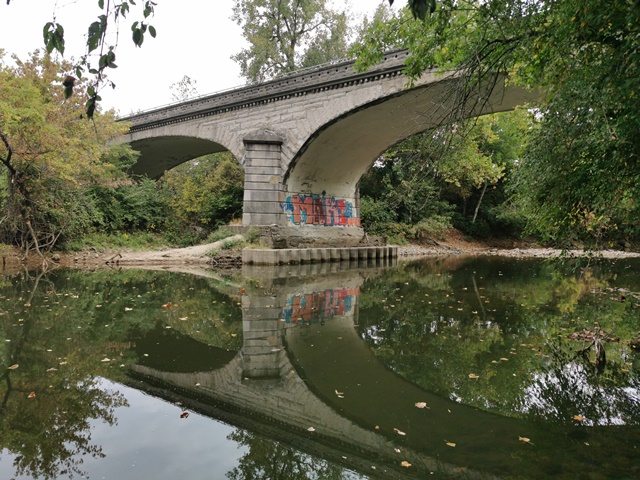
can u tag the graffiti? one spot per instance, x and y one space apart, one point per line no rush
319 306
320 210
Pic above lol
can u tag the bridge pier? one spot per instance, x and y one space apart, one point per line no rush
263 179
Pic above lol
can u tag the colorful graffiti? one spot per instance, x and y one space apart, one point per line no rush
320 210
319 306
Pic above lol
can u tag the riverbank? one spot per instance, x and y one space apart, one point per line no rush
219 254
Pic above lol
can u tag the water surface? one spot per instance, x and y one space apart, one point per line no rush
447 368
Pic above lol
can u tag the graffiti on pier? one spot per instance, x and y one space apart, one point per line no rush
320 210
319 306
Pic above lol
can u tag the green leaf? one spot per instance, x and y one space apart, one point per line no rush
95 34
138 37
152 31
101 4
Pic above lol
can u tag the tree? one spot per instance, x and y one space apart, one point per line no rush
101 52
287 34
184 89
583 59
49 153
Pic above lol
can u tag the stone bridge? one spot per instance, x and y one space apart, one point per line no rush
303 365
305 140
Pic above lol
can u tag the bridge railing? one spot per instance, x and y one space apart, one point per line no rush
247 86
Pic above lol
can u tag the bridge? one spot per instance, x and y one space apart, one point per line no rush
305 140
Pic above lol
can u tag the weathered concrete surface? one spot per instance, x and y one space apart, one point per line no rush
269 256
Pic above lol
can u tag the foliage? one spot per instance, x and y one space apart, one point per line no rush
579 178
285 35
204 194
101 52
428 181
51 155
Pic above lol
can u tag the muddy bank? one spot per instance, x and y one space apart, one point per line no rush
201 255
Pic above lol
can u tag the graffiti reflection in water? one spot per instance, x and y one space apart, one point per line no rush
318 306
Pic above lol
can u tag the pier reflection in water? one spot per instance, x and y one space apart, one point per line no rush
281 357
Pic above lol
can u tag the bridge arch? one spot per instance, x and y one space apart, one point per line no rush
162 153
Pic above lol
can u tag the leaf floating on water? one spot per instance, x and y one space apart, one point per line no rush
422 405
405 464
450 444
184 414
105 360
504 359
474 376
32 395
13 367
377 427
311 429
339 394
397 450
525 440
166 305
234 335
578 418
52 370
399 432
184 319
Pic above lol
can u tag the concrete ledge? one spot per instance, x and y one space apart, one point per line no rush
294 256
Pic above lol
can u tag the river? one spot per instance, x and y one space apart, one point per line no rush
445 367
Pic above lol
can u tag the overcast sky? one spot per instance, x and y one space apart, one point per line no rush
194 38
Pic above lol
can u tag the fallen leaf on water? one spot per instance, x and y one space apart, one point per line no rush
525 440
52 370
504 359
579 418
405 464
473 375
166 305
31 395
421 405
183 318
127 309
340 394
377 427
399 432
234 334
184 414
13 367
494 361
397 450
311 429
450 444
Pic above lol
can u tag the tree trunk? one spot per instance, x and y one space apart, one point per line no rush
475 214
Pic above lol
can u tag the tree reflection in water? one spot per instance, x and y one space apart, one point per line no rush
271 460
45 415
570 383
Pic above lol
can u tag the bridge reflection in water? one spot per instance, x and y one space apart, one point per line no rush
304 377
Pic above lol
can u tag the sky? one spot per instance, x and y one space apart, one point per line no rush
194 38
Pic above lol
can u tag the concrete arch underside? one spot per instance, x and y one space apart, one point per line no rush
162 153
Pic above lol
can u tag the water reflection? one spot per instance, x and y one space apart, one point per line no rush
320 370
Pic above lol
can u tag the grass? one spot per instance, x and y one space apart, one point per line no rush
219 234
102 241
